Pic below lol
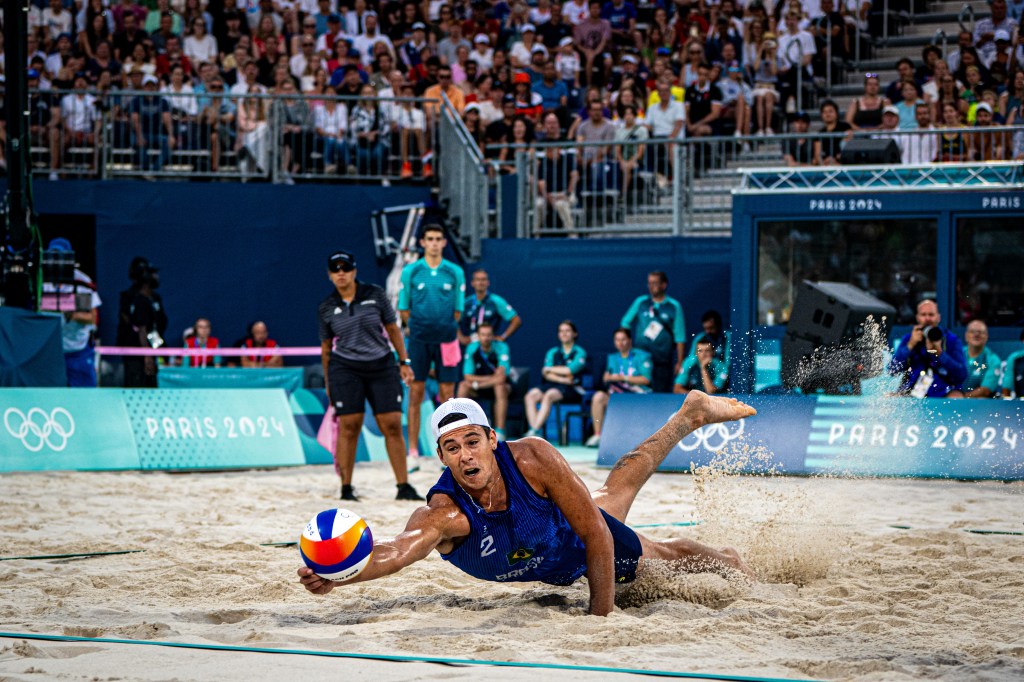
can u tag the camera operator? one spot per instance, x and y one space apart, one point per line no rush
930 358
142 322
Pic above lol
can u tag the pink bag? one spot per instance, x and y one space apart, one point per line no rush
451 353
327 435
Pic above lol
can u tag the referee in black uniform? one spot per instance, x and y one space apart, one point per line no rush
359 366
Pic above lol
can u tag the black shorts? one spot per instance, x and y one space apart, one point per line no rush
482 394
628 549
426 355
353 383
571 395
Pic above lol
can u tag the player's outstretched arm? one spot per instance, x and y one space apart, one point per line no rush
428 527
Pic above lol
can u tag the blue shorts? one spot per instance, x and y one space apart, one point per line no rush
423 356
628 549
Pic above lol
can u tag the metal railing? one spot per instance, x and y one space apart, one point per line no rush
572 189
220 135
673 187
462 180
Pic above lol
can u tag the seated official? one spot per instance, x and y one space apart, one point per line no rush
983 366
702 372
486 369
720 339
629 370
259 337
562 375
1013 374
200 339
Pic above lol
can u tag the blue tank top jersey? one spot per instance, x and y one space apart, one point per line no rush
530 540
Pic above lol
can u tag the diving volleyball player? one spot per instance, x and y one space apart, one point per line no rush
516 511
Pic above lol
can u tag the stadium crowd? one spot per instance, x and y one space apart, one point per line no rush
726 67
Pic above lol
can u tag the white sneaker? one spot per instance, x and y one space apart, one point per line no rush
534 433
593 441
412 464
769 132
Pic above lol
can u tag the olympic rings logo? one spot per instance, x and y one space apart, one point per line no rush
37 428
712 437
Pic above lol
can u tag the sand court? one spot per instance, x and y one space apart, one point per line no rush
843 594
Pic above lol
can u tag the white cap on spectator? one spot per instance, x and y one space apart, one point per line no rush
891 110
630 58
538 48
1003 34
482 38
565 41
984 106
149 78
472 106
419 26
369 13
528 27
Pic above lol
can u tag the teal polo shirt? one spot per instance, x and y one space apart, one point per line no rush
689 374
432 296
983 371
656 327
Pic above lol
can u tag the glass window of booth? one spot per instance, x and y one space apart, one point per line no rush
893 260
989 271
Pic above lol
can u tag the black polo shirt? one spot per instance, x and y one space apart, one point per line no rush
357 329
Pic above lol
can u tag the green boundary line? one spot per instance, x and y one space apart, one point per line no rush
665 525
393 659
39 557
976 531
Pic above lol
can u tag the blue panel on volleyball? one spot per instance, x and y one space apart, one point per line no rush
213 429
60 428
933 438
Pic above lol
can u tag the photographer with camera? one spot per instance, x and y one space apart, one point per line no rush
142 322
929 358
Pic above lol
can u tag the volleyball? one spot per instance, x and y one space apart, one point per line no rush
337 544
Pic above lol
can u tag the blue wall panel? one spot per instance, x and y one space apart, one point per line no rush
237 252
593 282
228 251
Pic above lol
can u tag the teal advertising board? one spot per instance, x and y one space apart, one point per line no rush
288 378
61 429
933 438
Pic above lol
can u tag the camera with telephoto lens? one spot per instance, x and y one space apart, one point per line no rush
933 334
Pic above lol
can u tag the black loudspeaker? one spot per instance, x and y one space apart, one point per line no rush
836 336
864 151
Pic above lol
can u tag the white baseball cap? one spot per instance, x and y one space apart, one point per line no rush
481 38
984 106
528 27
472 415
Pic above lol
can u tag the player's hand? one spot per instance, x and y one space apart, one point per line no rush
314 583
407 374
916 337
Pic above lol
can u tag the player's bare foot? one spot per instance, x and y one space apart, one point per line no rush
737 563
701 408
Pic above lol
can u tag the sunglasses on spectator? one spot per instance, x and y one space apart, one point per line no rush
870 75
694 52
307 44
